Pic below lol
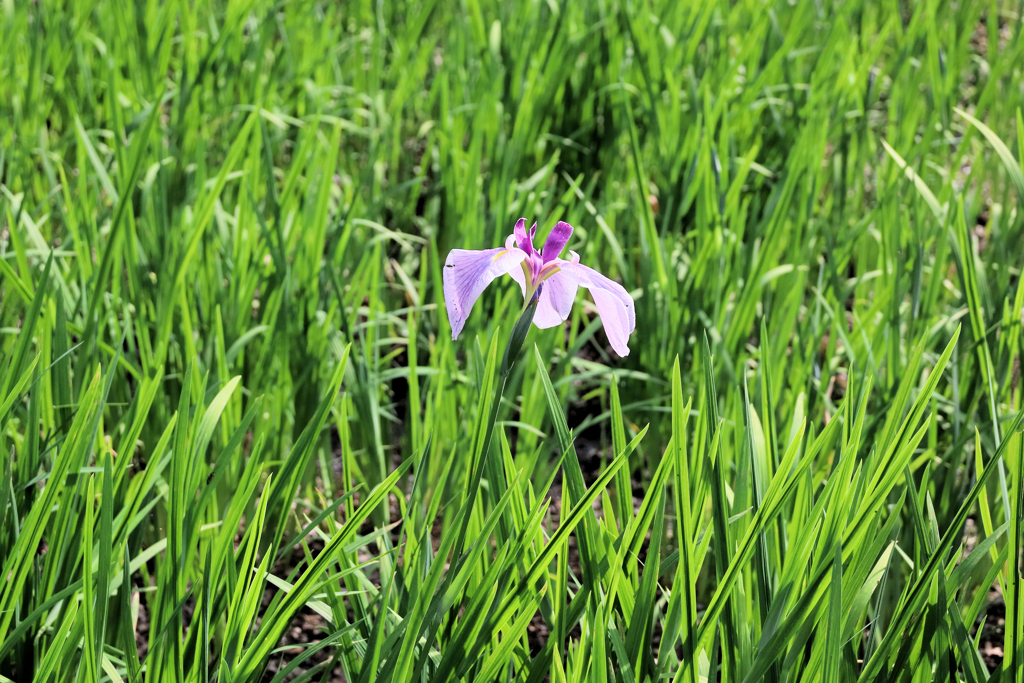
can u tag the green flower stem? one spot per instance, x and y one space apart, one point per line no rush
508 360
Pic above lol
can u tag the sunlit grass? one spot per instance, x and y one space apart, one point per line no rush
229 394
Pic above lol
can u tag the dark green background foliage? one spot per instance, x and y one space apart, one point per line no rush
229 397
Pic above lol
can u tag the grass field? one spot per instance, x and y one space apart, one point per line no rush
239 444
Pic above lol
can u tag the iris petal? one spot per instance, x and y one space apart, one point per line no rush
556 299
467 273
556 241
614 304
524 239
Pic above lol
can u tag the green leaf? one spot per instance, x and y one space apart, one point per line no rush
1013 167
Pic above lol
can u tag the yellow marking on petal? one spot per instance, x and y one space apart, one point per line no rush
531 286
548 272
500 254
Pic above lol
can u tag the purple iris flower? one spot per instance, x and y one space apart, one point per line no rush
468 272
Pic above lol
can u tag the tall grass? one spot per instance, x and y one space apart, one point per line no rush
229 397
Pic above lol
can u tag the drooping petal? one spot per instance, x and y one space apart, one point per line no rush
616 317
467 273
556 299
614 304
524 239
556 241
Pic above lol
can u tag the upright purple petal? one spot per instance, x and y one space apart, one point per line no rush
556 299
467 273
614 304
556 241
524 239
